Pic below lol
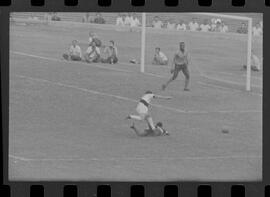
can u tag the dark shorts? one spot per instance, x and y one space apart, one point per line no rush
178 68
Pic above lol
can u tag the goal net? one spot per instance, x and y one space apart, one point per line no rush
221 45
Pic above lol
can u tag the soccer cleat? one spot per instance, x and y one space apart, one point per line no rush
132 126
128 117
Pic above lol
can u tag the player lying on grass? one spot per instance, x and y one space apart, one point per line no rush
180 63
255 63
158 131
143 108
111 54
74 53
159 58
92 53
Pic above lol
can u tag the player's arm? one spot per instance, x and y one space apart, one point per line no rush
162 97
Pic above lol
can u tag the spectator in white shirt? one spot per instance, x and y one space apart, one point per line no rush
224 28
205 27
170 24
134 21
159 58
74 53
128 19
157 23
213 24
193 25
257 30
120 20
92 53
181 26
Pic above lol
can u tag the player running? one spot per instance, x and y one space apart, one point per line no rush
180 63
143 108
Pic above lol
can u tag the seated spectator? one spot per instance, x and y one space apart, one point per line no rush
255 63
181 26
93 38
55 17
86 18
157 23
111 54
134 21
205 27
99 19
159 58
243 29
257 30
74 53
92 53
193 25
170 24
218 26
224 28
120 20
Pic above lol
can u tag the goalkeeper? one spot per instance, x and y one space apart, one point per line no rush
180 63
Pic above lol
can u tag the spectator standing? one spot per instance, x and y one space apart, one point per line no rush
120 20
224 28
193 25
181 26
257 30
205 27
242 29
170 24
99 19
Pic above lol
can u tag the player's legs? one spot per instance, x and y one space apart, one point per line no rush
175 74
187 77
141 133
135 117
150 122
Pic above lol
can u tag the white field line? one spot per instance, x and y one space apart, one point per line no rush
124 70
121 70
132 158
228 89
60 60
133 100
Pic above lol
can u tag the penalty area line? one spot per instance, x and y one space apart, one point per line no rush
132 100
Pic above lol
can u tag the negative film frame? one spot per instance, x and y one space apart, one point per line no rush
123 189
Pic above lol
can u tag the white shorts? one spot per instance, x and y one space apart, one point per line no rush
142 110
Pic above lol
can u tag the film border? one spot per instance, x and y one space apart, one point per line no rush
123 188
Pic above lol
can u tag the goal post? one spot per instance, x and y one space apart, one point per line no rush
249 40
143 42
228 16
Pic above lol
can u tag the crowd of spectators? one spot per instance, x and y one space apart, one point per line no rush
129 19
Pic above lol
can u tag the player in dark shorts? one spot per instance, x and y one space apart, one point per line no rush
180 63
157 131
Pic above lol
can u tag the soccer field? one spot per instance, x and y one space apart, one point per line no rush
67 118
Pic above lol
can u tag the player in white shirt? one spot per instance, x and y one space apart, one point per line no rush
92 53
143 108
159 58
181 26
205 27
74 53
193 25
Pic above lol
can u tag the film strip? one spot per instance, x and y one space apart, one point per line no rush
65 130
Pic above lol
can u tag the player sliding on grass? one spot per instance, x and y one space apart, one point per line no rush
158 131
180 63
143 108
